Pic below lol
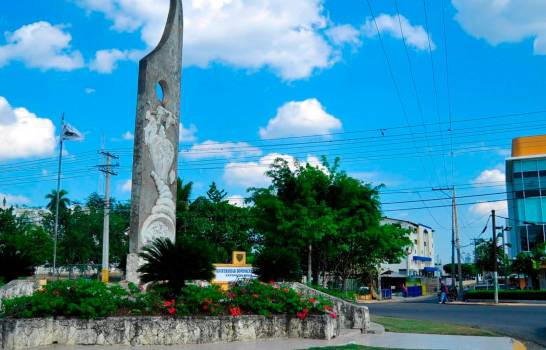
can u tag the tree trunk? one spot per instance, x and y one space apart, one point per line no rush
309 264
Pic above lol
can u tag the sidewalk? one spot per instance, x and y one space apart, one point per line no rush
393 340
502 303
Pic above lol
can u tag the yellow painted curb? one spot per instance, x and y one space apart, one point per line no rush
517 345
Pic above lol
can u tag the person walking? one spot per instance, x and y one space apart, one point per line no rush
443 293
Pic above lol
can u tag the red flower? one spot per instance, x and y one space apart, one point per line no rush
205 307
312 300
255 296
328 308
234 311
286 290
332 315
168 303
272 282
171 310
231 295
302 315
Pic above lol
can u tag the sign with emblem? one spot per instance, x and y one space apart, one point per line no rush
236 271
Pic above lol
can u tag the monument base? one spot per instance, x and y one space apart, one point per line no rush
133 263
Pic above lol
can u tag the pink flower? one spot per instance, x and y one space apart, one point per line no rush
255 296
312 300
332 315
328 308
171 310
168 303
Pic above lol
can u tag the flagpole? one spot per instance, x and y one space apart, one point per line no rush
57 201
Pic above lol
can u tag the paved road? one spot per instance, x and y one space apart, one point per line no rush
526 323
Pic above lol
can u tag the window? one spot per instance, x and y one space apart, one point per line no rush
425 243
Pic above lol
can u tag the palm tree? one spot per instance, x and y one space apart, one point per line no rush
174 264
64 202
183 193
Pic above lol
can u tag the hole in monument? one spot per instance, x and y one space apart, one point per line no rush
159 93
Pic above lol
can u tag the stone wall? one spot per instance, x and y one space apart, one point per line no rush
350 315
27 333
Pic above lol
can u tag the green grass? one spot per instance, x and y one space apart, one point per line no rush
400 325
353 347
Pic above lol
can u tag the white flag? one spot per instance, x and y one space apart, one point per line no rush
71 133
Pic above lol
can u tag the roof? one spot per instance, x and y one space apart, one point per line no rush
407 221
529 146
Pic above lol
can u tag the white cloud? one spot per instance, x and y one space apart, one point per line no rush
126 185
294 118
344 34
106 61
252 174
23 134
485 208
187 135
415 35
237 200
504 21
283 35
13 199
215 149
41 45
89 91
490 175
127 135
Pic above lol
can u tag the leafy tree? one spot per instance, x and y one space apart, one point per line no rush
277 264
175 263
467 269
14 263
329 218
20 236
214 220
529 263
484 255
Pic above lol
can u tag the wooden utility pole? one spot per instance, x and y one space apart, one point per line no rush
455 241
457 245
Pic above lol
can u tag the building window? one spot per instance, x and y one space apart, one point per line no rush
425 243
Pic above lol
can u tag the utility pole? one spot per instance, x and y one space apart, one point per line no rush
494 257
455 241
106 169
458 246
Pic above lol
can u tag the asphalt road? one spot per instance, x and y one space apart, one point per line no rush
527 323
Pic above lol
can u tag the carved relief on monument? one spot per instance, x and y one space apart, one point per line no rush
161 221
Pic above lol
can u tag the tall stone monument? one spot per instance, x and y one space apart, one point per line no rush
155 159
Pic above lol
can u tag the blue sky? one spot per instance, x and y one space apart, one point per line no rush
259 71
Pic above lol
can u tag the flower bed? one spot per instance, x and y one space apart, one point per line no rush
89 312
92 299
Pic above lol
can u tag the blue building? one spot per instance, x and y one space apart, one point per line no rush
526 194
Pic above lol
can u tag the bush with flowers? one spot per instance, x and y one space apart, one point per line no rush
93 299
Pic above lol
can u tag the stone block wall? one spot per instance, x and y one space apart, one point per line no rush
26 333
350 315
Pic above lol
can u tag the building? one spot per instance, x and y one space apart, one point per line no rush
526 194
420 258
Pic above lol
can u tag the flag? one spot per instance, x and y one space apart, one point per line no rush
71 133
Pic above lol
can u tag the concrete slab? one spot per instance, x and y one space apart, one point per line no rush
387 340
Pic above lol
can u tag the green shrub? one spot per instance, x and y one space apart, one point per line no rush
196 300
92 299
507 294
266 299
175 263
70 298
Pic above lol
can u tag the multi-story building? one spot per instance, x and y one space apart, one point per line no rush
419 260
526 194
